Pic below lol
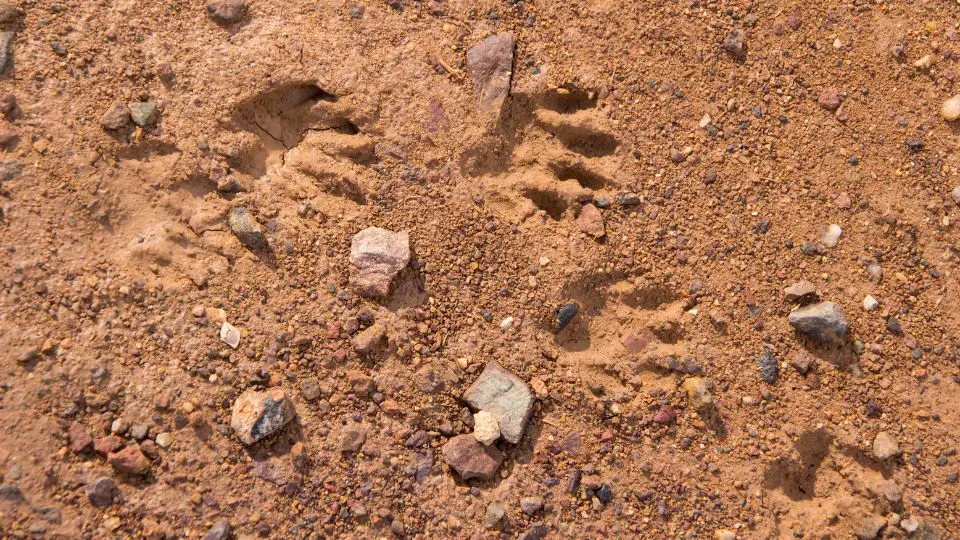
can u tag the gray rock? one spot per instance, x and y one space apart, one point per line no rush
537 531
470 458
6 50
531 505
100 492
376 257
10 493
143 113
504 395
116 117
260 414
221 530
870 528
352 438
310 389
494 515
246 229
823 322
226 11
491 63
769 368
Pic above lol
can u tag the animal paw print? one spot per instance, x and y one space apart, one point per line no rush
561 155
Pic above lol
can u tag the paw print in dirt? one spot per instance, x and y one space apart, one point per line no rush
557 153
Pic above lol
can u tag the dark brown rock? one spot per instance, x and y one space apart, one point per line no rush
735 44
116 117
80 439
226 11
470 458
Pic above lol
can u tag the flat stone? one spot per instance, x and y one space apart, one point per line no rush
470 459
505 396
870 528
376 257
798 290
80 439
590 221
246 229
100 492
226 11
230 335
769 368
257 415
368 340
823 322
116 117
491 64
885 446
10 493
143 113
494 515
129 460
221 530
108 444
352 438
485 428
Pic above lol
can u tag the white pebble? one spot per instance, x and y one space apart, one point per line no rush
705 121
831 235
950 110
230 335
485 428
956 194
506 323
870 303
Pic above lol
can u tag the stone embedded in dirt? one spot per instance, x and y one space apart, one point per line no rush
885 446
470 458
870 528
565 315
485 428
221 530
798 290
246 229
875 272
226 11
537 531
494 515
143 113
491 63
504 395
10 493
590 221
665 415
950 110
310 389
735 44
376 257
823 322
724 534
870 303
368 340
7 39
769 368
628 199
130 460
531 505
257 415
100 492
108 444
116 117
831 235
352 438
8 104
230 335
802 362
829 99
700 393
80 439
909 525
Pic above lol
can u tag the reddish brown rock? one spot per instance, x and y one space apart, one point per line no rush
829 99
130 460
108 444
116 117
80 439
470 458
376 256
590 221
226 11
491 63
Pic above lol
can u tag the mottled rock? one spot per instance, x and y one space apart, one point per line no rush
352 438
885 446
870 528
531 505
116 117
80 439
769 368
230 335
6 50
823 322
801 361
226 11
829 99
143 113
129 460
799 290
221 530
491 64
368 340
505 396
260 414
246 229
494 515
700 393
665 414
310 389
376 257
100 492
470 459
735 44
108 444
8 104
831 235
10 493
537 531
485 428
590 221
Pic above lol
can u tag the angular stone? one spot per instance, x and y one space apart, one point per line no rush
143 113
769 368
565 315
829 99
6 50
116 117
485 428
885 446
80 439
130 460
100 492
108 444
491 63
531 505
221 530
798 290
505 396
823 322
494 515
870 528
471 459
246 229
590 221
352 438
735 44
367 341
260 414
376 257
226 11
801 361
699 393
230 335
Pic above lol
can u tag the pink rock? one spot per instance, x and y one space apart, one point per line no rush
470 458
665 415
108 444
590 221
376 256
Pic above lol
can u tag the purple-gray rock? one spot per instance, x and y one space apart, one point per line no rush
470 458
491 63
260 414
505 396
823 322
100 492
10 493
376 257
246 229
769 368
220 531
735 44
226 11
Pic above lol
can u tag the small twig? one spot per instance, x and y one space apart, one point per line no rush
447 67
